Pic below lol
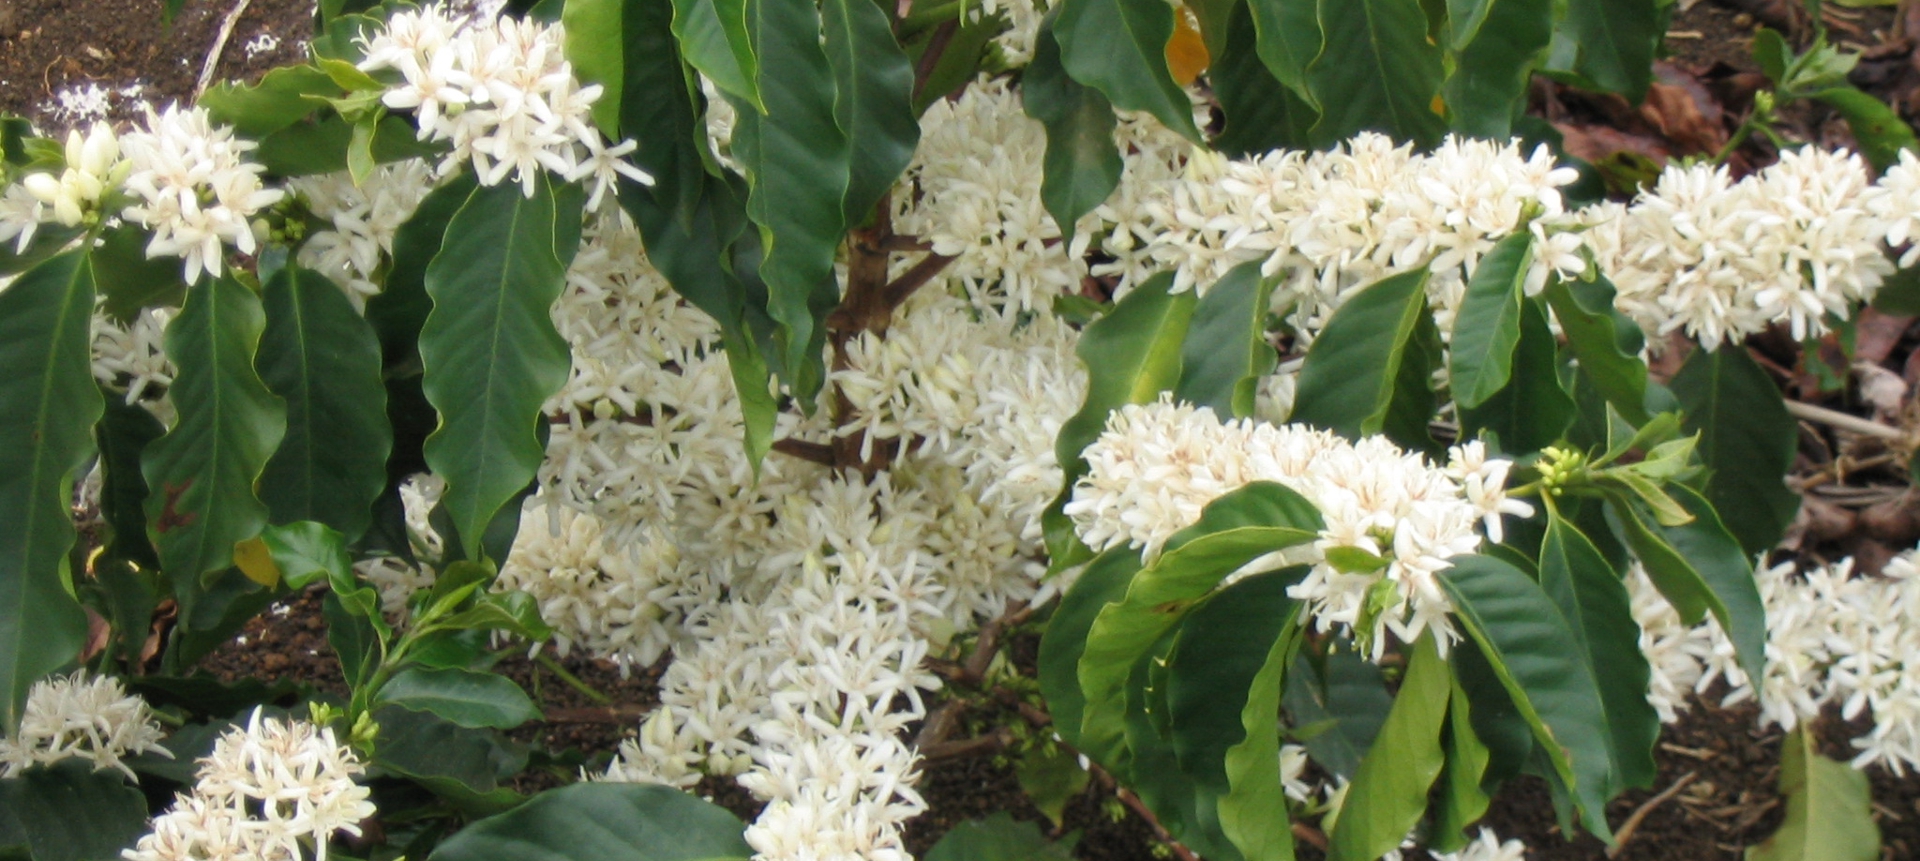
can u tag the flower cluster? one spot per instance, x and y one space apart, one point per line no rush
502 94
93 168
1721 260
194 188
362 220
77 716
1835 637
264 790
1158 465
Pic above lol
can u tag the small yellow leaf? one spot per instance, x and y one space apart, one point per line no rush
256 561
1187 54
1439 105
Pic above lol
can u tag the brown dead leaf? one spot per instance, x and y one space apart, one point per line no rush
1595 142
1876 334
1675 113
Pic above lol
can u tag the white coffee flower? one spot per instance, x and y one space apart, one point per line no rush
194 188
80 717
93 168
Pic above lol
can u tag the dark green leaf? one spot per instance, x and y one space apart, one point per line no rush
1119 47
998 837
1343 700
202 473
1533 411
323 359
489 349
716 37
796 159
873 100
1486 332
354 638
1104 581
1771 53
46 383
1083 164
1881 133
1051 776
1699 567
308 552
129 279
418 744
47 241
203 696
1524 637
603 822
1289 39
1900 294
1609 43
1389 793
1147 763
1377 70
399 309
1592 597
464 697
68 812
1132 355
1830 813
1460 801
1262 114
515 613
122 434
316 147
280 99
1352 380
1224 644
1226 350
595 48
1600 338
1487 90
1747 440
1235 529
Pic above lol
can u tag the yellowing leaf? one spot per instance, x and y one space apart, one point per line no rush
1187 55
256 561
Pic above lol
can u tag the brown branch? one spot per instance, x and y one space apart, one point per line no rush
992 742
915 278
930 58
1312 835
596 715
1134 803
812 452
1625 832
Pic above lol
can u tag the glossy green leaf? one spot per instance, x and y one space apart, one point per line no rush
1496 722
1699 567
1376 70
70 812
1226 351
1389 794
354 637
873 100
281 97
1487 90
1460 801
603 822
48 240
595 48
46 383
515 613
1234 529
1132 355
424 746
1830 813
323 359
1881 133
1050 776
308 552
489 349
1357 375
796 160
315 147
998 837
1524 638
1486 331
465 697
1149 765
1599 336
121 435
1224 644
1338 703
1533 410
1289 39
716 37
1594 601
1610 43
1253 803
1262 114
129 280
398 310
201 475
1747 441
1104 581
1083 164
1119 47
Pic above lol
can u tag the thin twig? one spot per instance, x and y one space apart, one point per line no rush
813 452
1843 421
219 46
1625 832
1134 803
914 278
992 742
1312 835
545 660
